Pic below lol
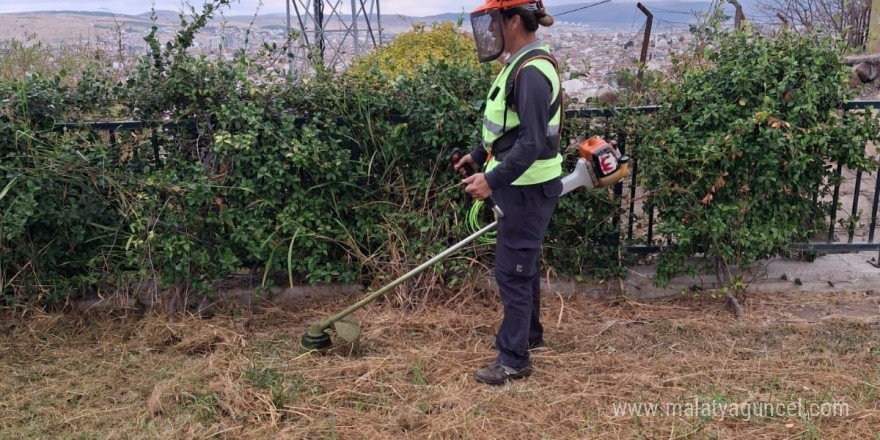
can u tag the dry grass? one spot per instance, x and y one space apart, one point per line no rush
243 376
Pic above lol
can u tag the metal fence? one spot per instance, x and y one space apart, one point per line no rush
854 190
642 239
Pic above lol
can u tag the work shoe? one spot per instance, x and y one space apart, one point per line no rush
497 374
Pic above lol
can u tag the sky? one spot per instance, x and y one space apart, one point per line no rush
418 8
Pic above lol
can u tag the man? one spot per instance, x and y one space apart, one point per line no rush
520 147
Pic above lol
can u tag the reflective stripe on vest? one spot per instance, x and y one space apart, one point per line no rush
541 171
499 119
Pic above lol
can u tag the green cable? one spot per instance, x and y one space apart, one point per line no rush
473 223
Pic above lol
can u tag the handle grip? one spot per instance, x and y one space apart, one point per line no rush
456 156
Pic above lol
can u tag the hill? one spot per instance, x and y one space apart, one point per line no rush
62 27
617 13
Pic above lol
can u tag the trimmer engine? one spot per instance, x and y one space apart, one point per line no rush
600 166
608 165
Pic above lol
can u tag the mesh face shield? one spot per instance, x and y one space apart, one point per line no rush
488 34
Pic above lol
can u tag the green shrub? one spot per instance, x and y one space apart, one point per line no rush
256 174
412 50
749 135
53 227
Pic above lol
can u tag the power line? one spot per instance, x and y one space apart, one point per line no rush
583 7
672 22
670 11
632 22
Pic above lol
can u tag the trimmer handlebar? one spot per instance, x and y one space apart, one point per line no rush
456 156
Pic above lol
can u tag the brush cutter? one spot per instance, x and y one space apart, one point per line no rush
600 165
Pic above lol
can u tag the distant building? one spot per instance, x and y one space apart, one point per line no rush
574 86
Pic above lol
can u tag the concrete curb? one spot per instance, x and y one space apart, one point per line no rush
827 274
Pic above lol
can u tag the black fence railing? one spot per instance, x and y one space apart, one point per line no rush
858 239
642 240
114 128
618 190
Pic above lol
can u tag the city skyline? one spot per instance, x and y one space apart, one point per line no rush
250 7
241 7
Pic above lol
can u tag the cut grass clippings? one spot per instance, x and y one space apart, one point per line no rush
411 375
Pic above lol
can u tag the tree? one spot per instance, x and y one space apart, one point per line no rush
846 19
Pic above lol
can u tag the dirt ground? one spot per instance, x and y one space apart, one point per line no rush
797 366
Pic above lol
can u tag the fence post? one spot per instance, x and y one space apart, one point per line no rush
643 58
873 45
154 140
739 17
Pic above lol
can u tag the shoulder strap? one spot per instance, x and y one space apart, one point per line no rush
503 144
534 54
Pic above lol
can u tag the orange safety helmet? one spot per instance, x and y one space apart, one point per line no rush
501 5
486 23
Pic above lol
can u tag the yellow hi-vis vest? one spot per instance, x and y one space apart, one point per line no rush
500 118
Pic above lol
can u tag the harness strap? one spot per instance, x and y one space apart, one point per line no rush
503 144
